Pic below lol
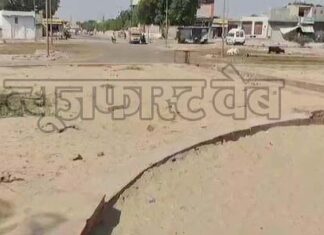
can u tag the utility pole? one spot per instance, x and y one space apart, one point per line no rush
223 29
166 23
131 16
51 17
47 36
34 2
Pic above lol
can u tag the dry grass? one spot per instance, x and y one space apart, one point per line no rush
20 48
30 48
20 105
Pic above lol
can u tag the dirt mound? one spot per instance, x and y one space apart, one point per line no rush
264 184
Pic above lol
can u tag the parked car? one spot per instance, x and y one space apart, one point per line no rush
235 37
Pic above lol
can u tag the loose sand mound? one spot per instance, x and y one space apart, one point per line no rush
270 183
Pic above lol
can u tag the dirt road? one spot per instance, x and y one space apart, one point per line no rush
52 182
88 50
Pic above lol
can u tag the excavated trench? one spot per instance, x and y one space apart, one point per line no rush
107 217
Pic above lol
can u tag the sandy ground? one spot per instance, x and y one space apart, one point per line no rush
93 50
302 72
270 183
55 195
84 50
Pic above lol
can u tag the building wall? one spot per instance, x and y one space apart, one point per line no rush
293 10
319 14
275 33
293 15
274 30
172 33
152 31
39 25
283 14
319 31
23 29
256 27
39 31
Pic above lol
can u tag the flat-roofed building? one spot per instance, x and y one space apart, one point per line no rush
255 26
17 25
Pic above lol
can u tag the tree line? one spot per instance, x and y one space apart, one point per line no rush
180 12
28 5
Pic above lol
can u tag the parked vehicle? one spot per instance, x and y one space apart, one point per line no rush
235 37
193 34
134 35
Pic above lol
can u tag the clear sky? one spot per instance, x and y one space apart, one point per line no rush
97 9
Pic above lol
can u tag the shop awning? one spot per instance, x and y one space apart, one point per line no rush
288 30
304 29
307 29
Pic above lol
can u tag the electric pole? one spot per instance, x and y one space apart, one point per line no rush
51 17
47 36
223 29
34 2
166 23
131 14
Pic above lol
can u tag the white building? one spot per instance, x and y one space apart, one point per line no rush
297 19
206 9
17 25
255 26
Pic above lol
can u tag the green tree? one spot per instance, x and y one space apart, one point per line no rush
28 5
3 4
122 21
89 25
147 11
41 5
183 12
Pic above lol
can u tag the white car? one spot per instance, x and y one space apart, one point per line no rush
235 37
